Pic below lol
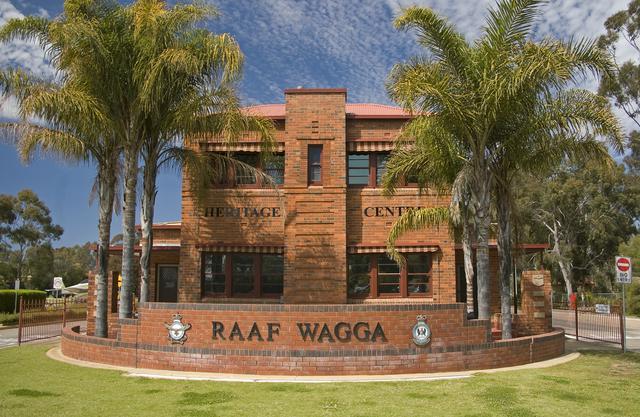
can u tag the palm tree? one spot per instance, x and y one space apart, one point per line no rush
440 168
475 93
76 121
186 78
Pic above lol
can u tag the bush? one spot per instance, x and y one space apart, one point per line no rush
9 319
8 297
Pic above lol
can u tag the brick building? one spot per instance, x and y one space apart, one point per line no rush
293 278
319 234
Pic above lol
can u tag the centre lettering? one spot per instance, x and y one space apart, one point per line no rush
314 332
386 211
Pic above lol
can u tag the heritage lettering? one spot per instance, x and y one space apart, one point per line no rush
313 332
237 212
385 211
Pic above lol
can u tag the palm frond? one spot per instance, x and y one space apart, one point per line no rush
510 22
437 35
416 219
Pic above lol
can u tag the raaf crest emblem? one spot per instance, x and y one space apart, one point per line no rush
421 331
177 330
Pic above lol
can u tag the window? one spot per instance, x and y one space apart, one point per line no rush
272 273
242 275
358 169
314 160
381 167
359 270
243 177
366 169
376 275
418 268
227 176
213 273
388 275
274 167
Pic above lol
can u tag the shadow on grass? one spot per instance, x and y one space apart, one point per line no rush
205 398
30 393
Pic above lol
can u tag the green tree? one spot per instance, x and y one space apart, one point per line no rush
39 265
121 66
73 263
186 77
479 100
27 225
623 85
584 211
82 111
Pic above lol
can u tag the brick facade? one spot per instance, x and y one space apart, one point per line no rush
315 227
457 344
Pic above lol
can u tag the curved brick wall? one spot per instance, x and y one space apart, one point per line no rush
384 345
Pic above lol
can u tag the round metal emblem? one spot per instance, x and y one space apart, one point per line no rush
421 332
177 330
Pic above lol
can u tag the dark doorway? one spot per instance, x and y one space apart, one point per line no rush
168 283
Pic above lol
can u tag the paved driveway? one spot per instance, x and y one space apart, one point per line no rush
9 337
565 319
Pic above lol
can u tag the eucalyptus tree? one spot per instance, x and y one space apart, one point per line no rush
476 96
186 77
76 115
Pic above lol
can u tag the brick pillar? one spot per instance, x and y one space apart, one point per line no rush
315 222
535 314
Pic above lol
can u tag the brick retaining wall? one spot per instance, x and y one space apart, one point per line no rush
457 343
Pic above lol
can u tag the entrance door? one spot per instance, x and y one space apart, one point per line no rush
168 283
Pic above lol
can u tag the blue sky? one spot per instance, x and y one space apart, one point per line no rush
287 43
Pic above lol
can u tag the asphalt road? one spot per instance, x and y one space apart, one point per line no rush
9 337
597 328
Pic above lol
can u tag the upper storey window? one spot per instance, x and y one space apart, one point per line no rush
274 167
367 169
314 161
240 176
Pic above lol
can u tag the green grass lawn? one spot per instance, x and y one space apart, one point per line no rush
597 384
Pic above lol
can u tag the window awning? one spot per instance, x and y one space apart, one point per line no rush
238 147
401 249
370 146
241 248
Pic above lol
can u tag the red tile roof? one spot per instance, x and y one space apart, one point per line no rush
353 110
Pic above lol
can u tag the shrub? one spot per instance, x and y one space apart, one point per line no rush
8 319
8 297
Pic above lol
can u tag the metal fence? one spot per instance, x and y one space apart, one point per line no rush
43 319
602 322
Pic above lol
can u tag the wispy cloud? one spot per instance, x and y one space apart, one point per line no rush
353 44
20 53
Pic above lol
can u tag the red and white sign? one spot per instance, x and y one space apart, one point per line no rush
623 269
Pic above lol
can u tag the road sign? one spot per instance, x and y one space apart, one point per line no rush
623 269
58 284
17 285
603 309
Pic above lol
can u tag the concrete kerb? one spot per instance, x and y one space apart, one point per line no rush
55 353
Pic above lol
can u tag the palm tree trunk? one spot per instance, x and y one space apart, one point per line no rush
128 233
467 253
106 195
146 221
504 254
481 191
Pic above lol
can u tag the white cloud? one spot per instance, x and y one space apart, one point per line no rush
20 53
